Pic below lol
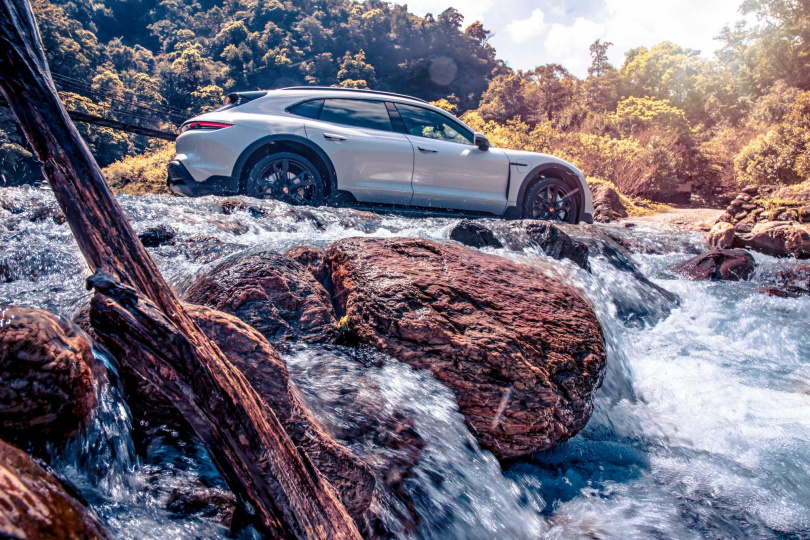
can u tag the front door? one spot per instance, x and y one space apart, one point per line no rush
449 171
372 161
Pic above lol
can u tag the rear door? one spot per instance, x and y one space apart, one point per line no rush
372 161
449 171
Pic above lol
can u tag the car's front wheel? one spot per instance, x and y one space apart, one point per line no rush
552 200
286 177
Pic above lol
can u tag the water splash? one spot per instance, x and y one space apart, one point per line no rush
701 428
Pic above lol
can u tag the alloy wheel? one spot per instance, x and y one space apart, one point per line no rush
288 180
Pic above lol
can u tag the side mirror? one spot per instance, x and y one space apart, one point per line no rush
480 140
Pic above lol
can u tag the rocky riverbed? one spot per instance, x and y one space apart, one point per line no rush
587 381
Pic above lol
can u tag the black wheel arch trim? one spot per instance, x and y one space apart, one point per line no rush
238 168
566 175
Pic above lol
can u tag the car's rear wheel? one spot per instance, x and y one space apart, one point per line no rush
551 199
286 177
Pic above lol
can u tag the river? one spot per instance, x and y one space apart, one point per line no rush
701 428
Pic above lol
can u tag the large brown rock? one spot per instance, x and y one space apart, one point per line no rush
47 389
719 265
256 358
780 239
313 259
272 293
607 204
34 505
522 352
722 235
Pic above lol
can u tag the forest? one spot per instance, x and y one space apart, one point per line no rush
666 117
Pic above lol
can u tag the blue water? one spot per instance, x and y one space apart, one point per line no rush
701 428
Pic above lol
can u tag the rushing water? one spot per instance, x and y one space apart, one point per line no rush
701 428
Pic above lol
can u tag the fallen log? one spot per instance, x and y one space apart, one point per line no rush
148 325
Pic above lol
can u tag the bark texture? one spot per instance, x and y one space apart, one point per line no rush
523 353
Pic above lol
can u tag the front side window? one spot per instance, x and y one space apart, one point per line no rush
357 112
432 125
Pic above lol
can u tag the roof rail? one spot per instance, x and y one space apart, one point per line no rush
338 89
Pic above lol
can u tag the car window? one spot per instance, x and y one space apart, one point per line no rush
426 123
308 109
357 112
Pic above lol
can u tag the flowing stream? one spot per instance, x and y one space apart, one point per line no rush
701 428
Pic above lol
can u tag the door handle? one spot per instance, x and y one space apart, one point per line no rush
333 137
426 150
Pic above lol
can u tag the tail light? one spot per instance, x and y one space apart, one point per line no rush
207 126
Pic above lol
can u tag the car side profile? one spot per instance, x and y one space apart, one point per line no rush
346 147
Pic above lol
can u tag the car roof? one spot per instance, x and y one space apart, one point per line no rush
321 90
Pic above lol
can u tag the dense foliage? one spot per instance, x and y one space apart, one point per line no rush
666 116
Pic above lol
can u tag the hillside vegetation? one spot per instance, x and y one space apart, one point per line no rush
664 117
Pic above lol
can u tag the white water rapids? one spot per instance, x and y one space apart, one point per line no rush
701 427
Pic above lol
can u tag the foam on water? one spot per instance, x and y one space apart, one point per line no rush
701 428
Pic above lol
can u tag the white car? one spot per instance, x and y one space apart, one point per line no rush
315 146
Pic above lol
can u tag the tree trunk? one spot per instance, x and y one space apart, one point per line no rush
245 439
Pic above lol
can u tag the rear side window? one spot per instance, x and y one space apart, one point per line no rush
357 112
308 109
432 125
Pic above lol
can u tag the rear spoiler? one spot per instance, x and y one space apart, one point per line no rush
235 99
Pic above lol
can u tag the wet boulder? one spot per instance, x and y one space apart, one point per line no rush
721 236
719 265
522 352
556 244
157 236
785 291
780 239
47 390
313 259
272 293
33 504
472 234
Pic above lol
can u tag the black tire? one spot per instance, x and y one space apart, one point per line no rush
286 177
551 199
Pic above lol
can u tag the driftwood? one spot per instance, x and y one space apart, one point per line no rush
146 323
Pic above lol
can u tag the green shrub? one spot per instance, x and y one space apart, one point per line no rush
782 155
143 173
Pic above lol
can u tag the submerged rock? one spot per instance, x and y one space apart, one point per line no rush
472 234
47 390
730 265
272 293
204 248
522 352
33 504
